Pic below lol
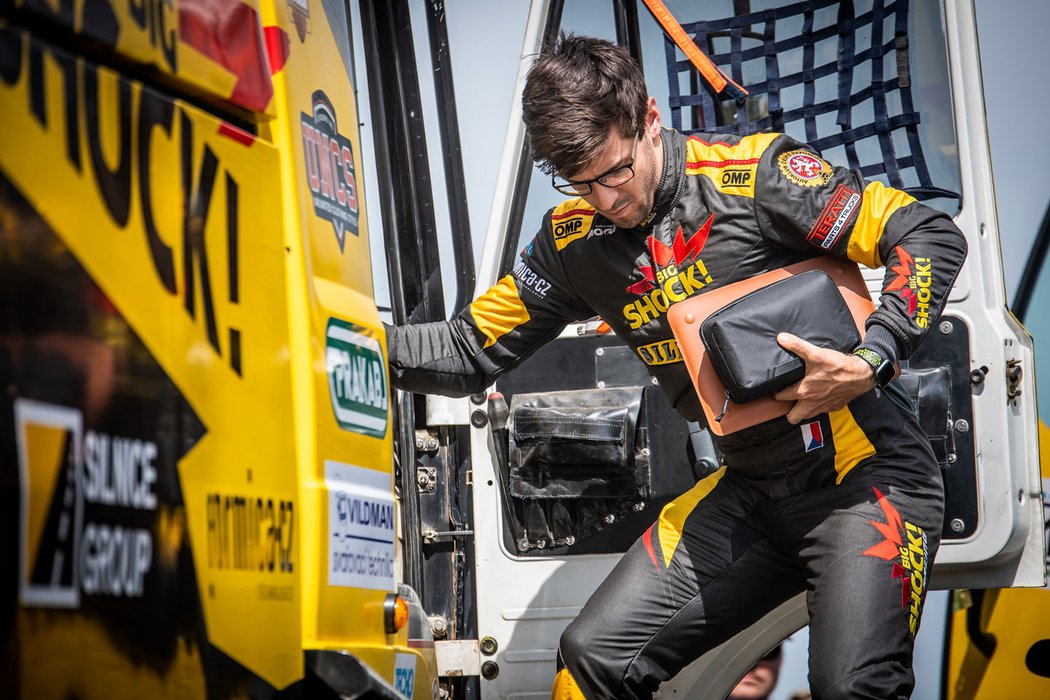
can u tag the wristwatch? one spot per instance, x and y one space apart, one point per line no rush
883 368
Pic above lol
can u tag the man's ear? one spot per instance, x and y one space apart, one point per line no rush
652 119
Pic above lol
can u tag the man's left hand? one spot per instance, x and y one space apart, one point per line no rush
832 379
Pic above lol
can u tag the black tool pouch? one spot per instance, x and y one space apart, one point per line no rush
574 444
740 339
930 388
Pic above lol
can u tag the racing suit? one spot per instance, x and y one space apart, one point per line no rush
847 507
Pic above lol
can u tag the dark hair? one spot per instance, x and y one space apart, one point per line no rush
575 92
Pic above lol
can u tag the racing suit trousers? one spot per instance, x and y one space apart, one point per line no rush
778 519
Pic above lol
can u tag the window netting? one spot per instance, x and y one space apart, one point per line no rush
834 71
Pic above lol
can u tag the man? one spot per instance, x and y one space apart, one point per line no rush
849 510
759 682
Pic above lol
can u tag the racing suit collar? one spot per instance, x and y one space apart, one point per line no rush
670 178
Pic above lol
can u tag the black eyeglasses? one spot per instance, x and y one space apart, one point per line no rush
619 175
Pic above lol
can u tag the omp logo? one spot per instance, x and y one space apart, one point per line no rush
356 379
329 158
568 225
836 215
913 281
736 177
567 228
677 273
49 442
663 352
911 557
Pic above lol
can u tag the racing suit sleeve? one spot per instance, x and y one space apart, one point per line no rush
502 327
803 202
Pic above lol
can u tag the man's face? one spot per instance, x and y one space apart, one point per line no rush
628 204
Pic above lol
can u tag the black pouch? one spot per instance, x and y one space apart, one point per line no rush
741 338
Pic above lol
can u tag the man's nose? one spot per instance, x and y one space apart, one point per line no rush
604 196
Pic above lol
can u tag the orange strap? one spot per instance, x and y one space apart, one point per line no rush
711 73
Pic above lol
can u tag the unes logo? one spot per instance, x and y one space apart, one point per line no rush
329 160
677 273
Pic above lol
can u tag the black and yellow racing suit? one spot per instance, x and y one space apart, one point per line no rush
848 506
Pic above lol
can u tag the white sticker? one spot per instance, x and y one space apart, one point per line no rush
360 527
404 673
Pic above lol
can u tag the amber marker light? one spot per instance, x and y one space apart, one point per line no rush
395 613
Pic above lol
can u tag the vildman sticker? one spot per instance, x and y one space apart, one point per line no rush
356 379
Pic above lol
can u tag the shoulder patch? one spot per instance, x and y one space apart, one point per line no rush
571 221
730 167
804 168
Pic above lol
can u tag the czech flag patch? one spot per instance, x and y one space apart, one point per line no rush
812 437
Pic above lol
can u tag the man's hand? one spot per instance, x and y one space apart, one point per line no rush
832 379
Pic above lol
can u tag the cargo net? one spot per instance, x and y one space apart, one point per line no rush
834 74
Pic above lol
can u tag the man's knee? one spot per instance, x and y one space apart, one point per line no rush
596 673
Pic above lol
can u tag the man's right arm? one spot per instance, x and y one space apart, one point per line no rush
502 327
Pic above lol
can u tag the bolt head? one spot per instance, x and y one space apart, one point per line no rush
488 646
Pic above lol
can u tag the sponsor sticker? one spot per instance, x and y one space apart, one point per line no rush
906 545
329 160
662 352
49 439
812 436
356 379
570 224
404 673
81 490
804 169
839 211
675 273
736 177
360 527
530 280
914 277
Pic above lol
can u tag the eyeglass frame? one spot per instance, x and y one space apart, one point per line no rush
569 187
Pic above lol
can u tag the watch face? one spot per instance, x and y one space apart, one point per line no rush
885 372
